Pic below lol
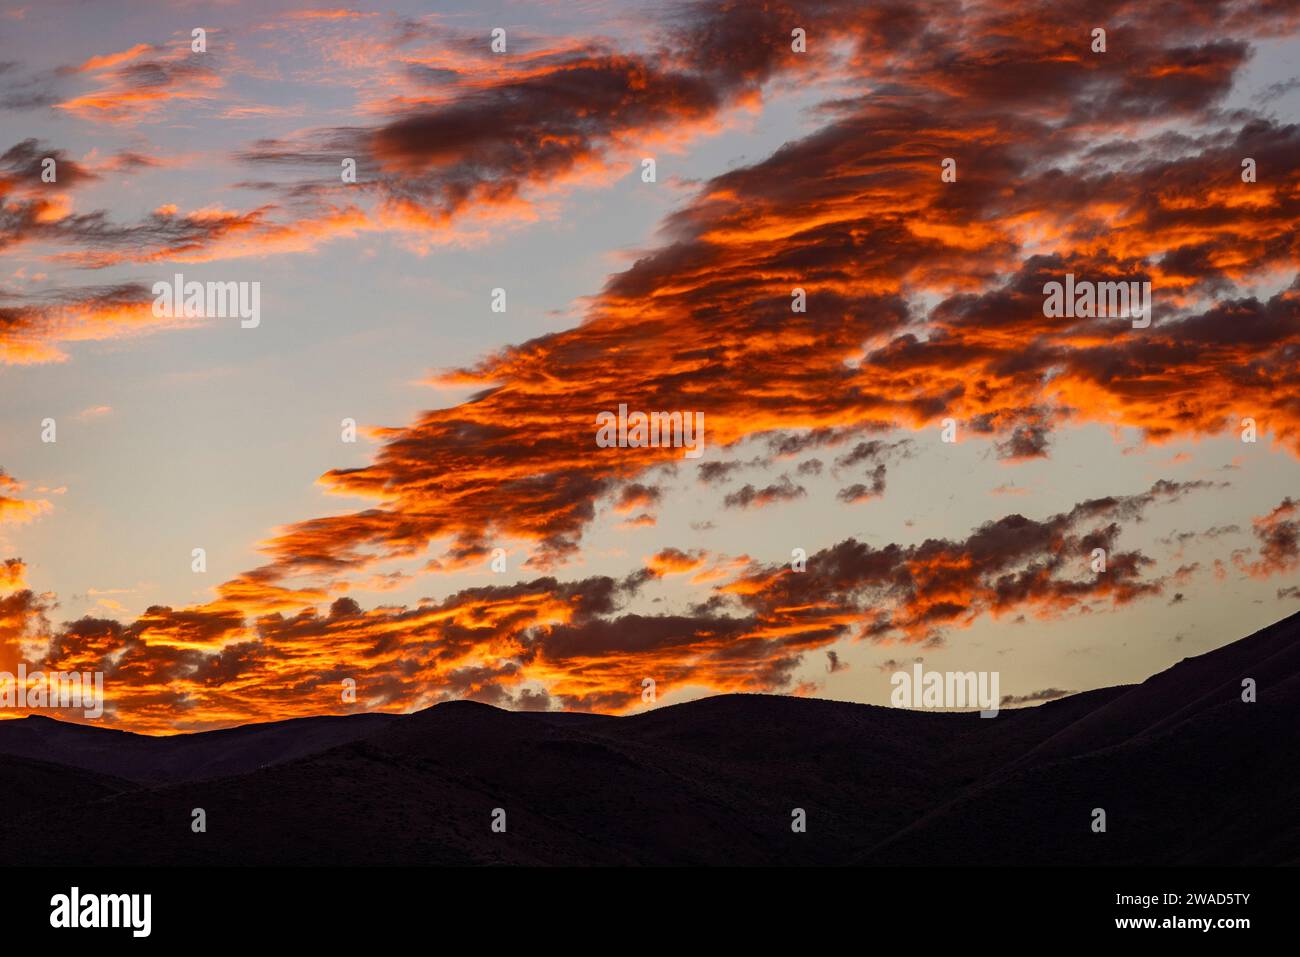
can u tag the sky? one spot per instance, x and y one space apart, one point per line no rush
776 169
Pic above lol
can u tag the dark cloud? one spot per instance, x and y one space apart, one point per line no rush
1047 694
750 497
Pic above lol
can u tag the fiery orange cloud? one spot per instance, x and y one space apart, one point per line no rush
33 331
108 60
1279 536
858 217
335 14
674 561
13 575
18 510
135 83
570 644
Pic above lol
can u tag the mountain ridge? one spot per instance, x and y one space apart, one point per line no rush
1185 770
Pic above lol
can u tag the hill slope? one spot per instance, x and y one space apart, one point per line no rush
1186 772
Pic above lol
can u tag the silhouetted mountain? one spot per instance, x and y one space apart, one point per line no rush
29 786
1185 770
181 757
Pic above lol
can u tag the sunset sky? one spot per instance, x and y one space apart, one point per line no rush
522 170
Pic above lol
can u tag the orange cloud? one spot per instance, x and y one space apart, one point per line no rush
18 511
136 83
571 644
33 330
1279 536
